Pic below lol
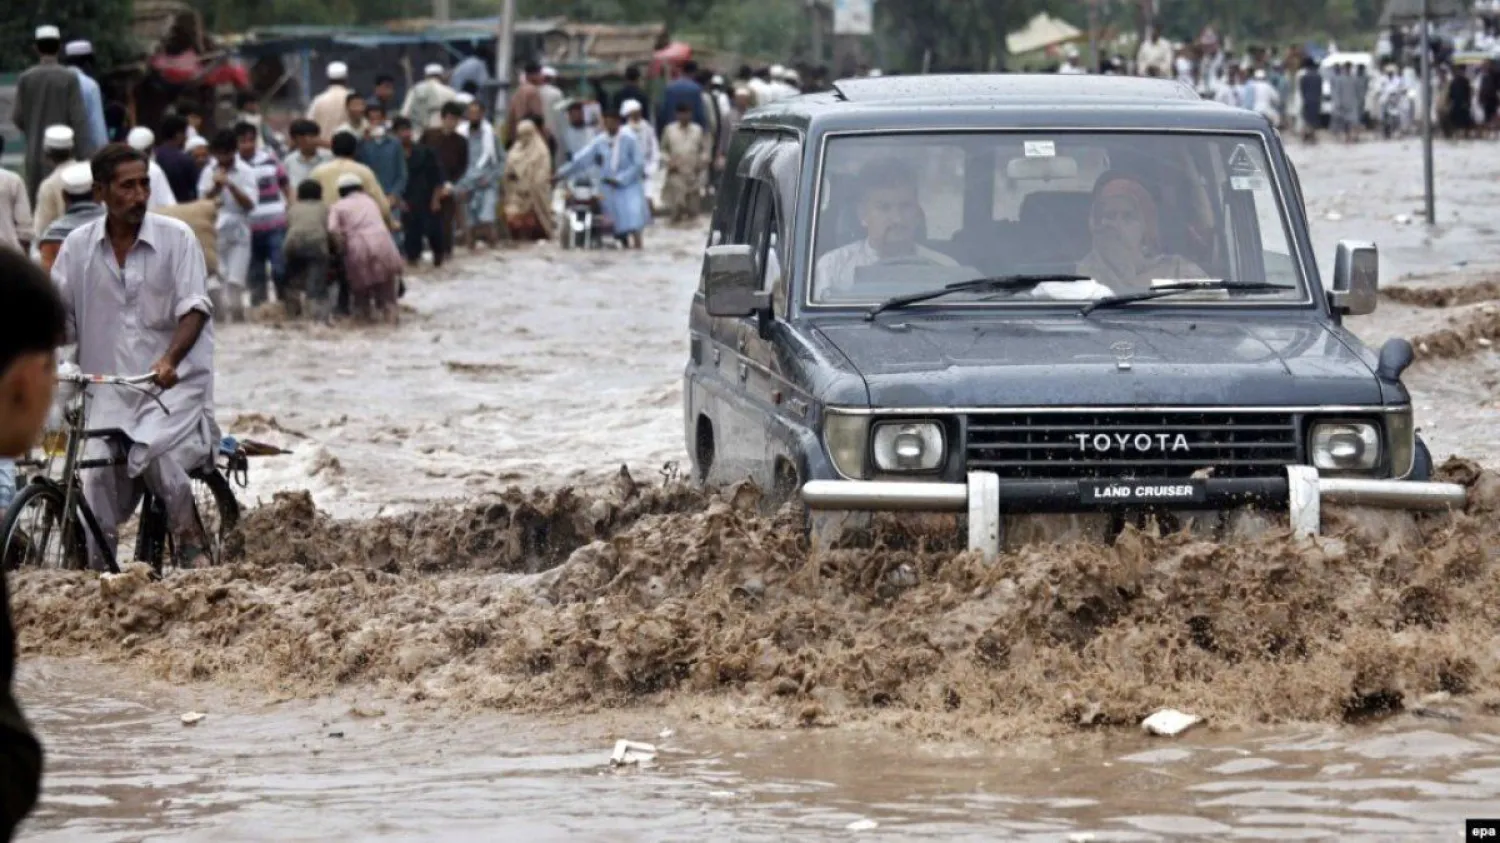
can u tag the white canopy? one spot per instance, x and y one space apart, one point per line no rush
1041 32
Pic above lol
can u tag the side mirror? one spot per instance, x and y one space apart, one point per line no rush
1356 278
730 283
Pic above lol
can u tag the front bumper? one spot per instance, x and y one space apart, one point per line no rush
987 499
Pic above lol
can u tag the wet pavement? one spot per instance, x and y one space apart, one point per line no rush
540 368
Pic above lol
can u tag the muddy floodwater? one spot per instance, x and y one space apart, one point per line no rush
451 602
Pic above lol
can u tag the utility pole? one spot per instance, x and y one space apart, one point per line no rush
1093 36
1431 204
815 27
441 10
505 42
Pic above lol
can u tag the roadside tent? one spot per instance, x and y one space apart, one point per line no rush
1041 32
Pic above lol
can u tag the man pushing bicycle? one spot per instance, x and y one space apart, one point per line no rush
135 291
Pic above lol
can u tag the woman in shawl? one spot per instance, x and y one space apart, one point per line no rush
371 262
1127 255
528 185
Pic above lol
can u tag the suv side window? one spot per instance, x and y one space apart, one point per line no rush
760 232
731 190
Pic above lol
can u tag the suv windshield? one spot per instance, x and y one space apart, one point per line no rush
902 213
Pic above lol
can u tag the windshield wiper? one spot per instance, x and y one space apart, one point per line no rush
1000 284
1173 289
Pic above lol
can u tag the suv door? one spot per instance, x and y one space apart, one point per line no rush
711 382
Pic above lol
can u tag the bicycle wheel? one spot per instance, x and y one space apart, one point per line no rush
33 535
218 510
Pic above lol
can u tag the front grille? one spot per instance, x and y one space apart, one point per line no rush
1132 445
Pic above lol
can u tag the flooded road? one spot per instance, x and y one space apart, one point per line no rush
123 768
539 369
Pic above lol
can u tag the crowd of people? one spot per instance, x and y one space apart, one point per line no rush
1345 94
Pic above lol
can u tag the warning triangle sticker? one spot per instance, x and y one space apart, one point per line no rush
1241 164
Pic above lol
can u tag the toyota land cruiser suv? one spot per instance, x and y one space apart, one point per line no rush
1010 295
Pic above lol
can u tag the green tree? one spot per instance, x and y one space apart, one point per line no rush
105 23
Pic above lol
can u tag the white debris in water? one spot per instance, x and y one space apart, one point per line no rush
665 733
192 718
1484 342
1402 219
1081 837
862 825
632 752
1333 216
1170 722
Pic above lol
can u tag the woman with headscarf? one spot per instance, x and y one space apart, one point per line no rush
371 263
1126 255
528 185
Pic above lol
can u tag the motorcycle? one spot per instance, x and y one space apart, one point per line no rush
584 224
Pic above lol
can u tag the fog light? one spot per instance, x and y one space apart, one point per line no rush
1345 447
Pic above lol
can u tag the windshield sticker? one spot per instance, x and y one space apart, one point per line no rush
1252 183
1040 149
1242 163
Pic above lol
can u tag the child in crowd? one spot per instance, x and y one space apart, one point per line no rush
307 253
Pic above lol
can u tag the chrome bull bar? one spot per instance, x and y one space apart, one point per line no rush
981 498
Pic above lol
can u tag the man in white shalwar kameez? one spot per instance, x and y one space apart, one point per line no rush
134 286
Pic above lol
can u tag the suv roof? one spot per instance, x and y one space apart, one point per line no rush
1004 101
1000 86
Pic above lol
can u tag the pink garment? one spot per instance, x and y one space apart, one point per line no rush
370 256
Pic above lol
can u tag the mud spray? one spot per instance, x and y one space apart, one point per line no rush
647 594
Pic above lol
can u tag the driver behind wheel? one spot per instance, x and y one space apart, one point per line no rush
891 216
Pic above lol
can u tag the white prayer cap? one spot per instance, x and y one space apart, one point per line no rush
48 33
790 76
141 138
194 142
875 71
78 48
717 80
337 71
1260 73
433 69
350 180
629 107
57 137
464 98
77 178
777 71
549 73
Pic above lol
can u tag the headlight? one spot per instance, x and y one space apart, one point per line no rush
1345 446
845 438
909 446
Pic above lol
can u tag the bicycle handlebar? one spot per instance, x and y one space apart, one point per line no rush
107 380
135 382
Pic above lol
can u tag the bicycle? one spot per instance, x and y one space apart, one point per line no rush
46 522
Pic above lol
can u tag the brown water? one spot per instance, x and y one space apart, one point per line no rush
479 675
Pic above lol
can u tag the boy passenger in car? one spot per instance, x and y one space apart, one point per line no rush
892 219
